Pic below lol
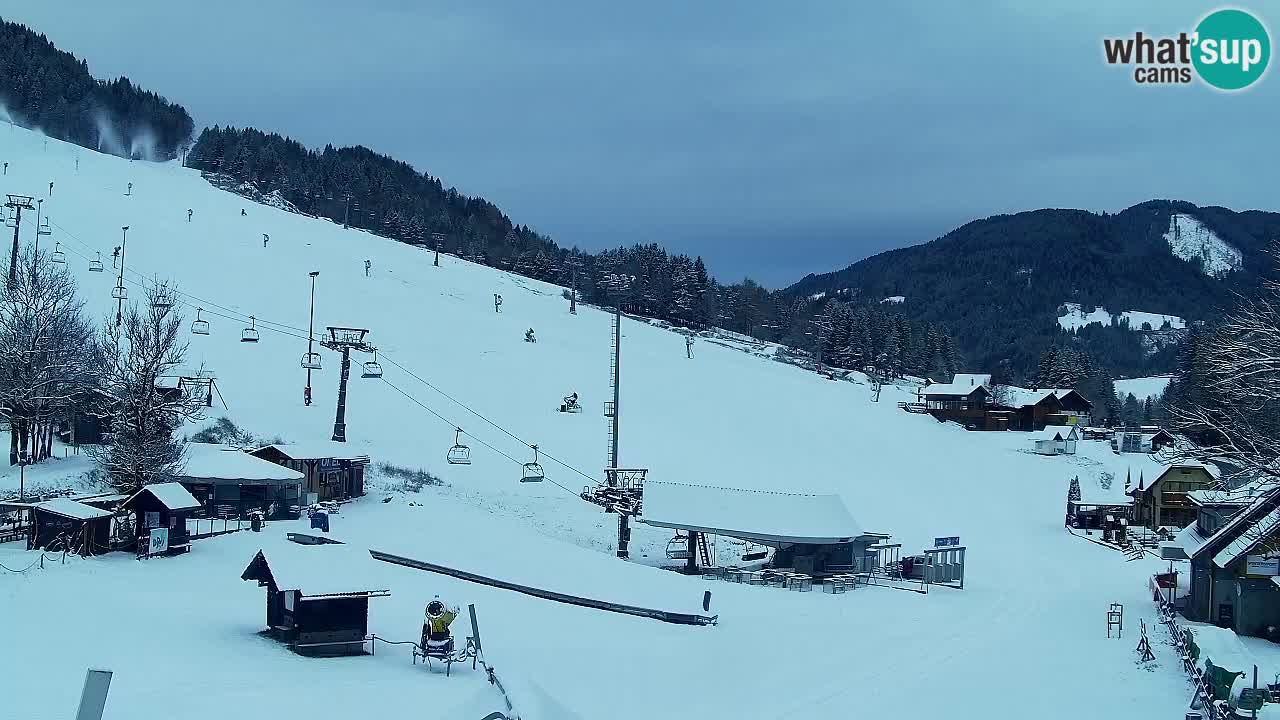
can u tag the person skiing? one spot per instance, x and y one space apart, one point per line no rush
50 188
367 265
497 302
189 211
436 637
265 238
528 336
242 212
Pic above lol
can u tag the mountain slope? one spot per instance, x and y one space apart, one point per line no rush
1000 283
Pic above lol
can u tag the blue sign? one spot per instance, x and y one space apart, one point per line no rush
946 542
320 520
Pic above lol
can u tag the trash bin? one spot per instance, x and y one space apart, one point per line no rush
255 522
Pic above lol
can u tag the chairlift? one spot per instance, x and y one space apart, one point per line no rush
58 256
459 454
199 327
250 334
119 293
311 361
43 228
96 265
164 301
532 470
372 369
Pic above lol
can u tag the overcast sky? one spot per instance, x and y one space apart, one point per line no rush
773 138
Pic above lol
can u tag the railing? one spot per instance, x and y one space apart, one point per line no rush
217 526
1202 695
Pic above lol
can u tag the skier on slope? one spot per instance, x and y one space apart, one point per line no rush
367 265
436 637
265 238
189 211
528 336
242 212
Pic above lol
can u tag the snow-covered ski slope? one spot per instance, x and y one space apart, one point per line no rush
1024 638
1191 239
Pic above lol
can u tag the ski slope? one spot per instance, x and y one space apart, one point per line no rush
1192 240
1024 638
1075 318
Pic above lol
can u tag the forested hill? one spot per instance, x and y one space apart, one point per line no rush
998 284
44 88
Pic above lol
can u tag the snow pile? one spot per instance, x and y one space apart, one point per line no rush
1143 387
1075 318
894 299
1190 240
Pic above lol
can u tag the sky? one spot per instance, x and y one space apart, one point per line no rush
773 139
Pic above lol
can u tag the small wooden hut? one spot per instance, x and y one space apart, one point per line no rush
167 506
64 524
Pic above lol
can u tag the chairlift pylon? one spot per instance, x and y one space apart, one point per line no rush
311 361
58 256
250 334
199 327
532 470
459 454
372 369
96 265
119 293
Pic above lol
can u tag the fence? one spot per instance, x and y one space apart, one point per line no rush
1181 637
212 527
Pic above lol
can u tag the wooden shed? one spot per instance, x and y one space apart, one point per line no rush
317 596
229 482
64 524
167 506
332 471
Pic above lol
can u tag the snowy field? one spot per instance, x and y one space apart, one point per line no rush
1025 638
1192 240
1076 318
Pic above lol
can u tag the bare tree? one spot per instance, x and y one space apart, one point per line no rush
47 354
146 347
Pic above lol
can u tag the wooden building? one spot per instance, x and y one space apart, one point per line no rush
167 506
1235 574
1030 409
64 524
966 400
1056 440
1141 440
331 471
1165 502
315 603
231 483
1076 407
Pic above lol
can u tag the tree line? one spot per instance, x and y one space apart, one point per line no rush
45 88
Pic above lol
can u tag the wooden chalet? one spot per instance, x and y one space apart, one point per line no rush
231 483
317 601
1076 407
167 506
1030 409
331 471
65 524
967 400
1166 501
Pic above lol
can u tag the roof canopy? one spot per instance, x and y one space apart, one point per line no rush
171 495
762 516
223 464
71 509
325 569
319 450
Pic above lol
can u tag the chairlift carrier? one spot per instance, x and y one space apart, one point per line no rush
199 327
58 256
119 293
372 369
311 361
532 470
250 334
96 265
459 454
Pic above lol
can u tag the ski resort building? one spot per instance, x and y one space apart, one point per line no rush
330 470
228 482
163 505
966 400
1141 440
811 534
317 603
1056 440
65 524
1235 572
1166 502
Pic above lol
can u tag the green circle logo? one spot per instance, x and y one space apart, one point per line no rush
1231 49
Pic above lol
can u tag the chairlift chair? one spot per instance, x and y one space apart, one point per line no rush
96 265
372 369
311 361
250 334
119 293
58 256
164 301
199 327
459 454
43 228
532 470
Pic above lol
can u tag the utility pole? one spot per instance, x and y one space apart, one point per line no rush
624 518
438 237
311 330
16 203
347 214
573 293
124 230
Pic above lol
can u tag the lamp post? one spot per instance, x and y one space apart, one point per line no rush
311 329
124 239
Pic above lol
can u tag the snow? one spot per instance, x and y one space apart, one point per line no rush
894 299
1076 318
1247 540
1143 387
171 494
1056 432
72 509
323 569
321 449
749 514
961 384
224 462
182 625
1191 240
1016 397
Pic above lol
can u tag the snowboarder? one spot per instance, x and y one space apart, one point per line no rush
242 212
497 302
367 265
189 211
528 336
265 238
688 346
437 640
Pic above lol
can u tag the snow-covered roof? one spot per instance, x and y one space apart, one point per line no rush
318 450
1190 540
210 461
1057 432
325 569
170 494
69 508
1248 539
1016 397
749 514
1244 495
961 384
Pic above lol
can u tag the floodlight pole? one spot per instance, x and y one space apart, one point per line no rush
624 518
17 203
124 230
311 329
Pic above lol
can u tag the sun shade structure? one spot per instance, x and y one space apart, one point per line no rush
769 518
